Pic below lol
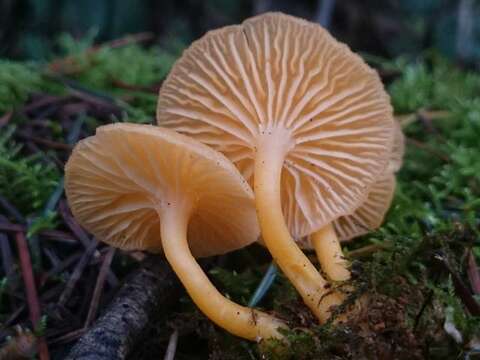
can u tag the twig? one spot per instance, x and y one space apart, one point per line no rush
5 119
55 235
61 65
97 292
462 291
473 273
9 227
31 290
11 210
7 262
44 100
324 12
69 261
264 285
13 316
151 289
68 337
77 273
154 89
172 346
366 250
79 233
427 148
59 236
7 259
45 142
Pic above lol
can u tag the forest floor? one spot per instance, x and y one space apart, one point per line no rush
419 269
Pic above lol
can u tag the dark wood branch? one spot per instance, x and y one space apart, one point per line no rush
152 288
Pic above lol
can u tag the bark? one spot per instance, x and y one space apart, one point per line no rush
154 287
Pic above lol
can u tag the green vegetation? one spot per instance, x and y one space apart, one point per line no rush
25 181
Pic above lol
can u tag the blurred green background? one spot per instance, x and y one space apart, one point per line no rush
29 29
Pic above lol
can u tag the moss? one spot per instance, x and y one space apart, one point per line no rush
24 180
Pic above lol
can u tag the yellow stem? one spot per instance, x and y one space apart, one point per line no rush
295 265
329 253
239 320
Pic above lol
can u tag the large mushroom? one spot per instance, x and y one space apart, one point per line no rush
140 187
367 217
306 121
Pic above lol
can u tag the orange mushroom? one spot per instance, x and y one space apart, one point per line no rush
306 121
367 217
140 187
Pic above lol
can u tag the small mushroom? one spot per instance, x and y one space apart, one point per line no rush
140 187
305 120
367 217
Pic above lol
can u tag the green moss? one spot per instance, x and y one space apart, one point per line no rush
24 180
17 81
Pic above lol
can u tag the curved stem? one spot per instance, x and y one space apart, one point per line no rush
329 253
286 253
236 319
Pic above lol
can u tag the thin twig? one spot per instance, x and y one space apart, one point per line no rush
44 100
69 261
366 250
9 227
473 273
76 229
5 119
461 289
97 292
428 149
68 337
67 64
82 236
77 273
264 285
7 262
45 142
172 346
31 290
11 210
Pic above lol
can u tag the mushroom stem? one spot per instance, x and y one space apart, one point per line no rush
329 253
239 320
300 271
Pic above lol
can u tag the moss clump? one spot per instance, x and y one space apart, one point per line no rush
25 181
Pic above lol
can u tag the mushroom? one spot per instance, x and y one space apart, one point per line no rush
305 120
367 217
141 187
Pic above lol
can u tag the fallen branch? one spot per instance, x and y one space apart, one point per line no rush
151 289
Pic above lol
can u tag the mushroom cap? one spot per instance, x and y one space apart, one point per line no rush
116 181
370 214
367 217
277 71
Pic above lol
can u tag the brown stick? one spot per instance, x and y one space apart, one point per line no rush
30 289
152 289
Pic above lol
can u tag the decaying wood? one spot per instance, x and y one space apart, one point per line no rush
152 288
